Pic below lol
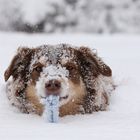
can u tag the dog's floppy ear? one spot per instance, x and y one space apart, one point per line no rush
23 55
91 59
90 67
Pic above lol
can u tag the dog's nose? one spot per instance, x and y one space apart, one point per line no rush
53 87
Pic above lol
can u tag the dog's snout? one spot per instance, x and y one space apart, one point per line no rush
53 87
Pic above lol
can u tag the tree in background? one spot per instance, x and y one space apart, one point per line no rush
95 16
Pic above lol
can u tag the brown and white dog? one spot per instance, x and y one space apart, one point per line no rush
81 79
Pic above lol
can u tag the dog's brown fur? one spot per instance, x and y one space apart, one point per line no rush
84 81
33 99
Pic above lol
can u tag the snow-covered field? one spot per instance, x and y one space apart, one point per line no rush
120 122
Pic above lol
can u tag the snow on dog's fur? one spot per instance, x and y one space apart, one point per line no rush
81 79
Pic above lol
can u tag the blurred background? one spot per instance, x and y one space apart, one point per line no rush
109 27
70 16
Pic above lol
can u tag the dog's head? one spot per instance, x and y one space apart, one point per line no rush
54 70
59 70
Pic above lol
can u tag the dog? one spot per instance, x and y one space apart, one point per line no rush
77 75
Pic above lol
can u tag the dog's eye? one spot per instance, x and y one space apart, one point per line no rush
70 68
38 69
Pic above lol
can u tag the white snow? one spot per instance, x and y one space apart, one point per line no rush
120 122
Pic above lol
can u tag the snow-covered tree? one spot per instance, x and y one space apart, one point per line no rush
10 15
96 16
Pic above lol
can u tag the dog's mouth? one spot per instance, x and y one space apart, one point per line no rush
62 98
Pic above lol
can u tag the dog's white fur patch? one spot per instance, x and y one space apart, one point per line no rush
54 73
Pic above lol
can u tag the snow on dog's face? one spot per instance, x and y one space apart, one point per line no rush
53 80
54 71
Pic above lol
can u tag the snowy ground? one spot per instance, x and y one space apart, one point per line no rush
120 122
